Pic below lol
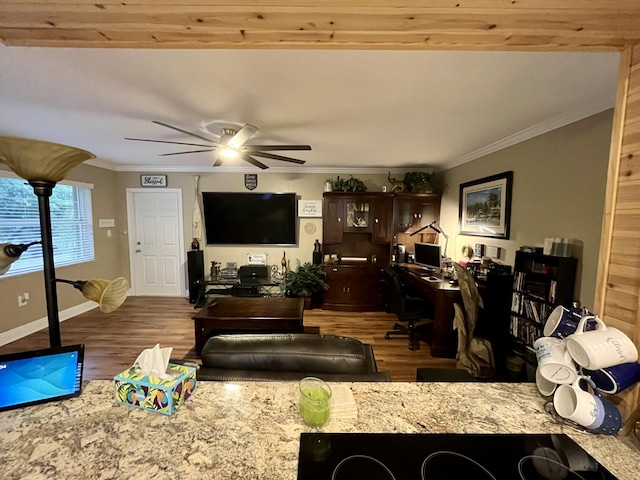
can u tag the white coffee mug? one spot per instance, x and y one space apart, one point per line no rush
554 362
545 387
575 404
591 410
600 348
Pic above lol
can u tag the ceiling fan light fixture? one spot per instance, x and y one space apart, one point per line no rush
228 152
232 145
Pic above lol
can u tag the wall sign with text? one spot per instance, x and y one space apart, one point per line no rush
309 208
153 180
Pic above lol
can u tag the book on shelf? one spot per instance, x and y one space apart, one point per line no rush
552 291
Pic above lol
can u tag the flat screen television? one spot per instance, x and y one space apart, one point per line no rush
250 218
428 255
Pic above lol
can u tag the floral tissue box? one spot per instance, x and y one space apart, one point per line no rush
153 393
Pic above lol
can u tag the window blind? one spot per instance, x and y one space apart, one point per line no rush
71 223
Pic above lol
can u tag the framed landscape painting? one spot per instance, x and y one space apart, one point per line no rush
485 206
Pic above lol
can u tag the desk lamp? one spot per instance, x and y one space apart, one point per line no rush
43 164
435 225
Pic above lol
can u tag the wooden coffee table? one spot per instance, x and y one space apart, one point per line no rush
248 314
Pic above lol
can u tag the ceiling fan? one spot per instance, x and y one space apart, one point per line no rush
231 145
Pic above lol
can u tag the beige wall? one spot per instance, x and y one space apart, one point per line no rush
306 186
558 191
104 266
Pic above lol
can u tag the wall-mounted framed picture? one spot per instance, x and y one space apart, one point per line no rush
153 180
485 206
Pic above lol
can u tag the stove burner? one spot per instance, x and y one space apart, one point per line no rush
342 456
543 467
459 466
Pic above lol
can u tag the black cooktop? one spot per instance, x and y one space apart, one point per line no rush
378 456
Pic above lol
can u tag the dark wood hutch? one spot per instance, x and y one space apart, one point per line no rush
360 233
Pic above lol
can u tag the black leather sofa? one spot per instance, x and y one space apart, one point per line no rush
286 357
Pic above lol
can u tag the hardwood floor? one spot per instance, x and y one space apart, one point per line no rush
113 341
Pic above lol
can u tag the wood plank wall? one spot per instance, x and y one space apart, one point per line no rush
618 290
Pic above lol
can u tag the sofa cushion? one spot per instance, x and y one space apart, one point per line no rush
295 352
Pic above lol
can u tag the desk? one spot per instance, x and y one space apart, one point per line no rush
251 430
235 314
443 295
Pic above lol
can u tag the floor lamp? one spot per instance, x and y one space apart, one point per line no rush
43 164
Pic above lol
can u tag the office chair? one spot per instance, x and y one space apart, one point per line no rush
408 308
475 354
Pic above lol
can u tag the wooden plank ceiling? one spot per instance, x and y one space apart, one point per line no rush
335 24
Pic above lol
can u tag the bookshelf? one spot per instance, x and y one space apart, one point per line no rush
540 283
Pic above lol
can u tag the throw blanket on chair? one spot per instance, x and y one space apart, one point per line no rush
475 354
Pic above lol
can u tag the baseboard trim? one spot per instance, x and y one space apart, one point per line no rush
37 325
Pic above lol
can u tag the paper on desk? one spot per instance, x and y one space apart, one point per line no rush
154 362
343 405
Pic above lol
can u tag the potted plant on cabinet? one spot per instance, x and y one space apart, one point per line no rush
351 184
306 280
424 182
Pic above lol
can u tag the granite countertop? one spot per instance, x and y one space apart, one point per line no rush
252 430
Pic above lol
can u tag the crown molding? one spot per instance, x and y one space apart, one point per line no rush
583 111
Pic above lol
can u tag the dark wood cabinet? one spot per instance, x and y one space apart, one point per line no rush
411 212
381 230
353 287
332 220
361 228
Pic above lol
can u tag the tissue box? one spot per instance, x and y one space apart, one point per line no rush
153 393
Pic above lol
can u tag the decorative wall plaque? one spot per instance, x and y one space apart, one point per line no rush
251 181
153 180
310 208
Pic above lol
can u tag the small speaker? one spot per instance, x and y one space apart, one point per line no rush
195 271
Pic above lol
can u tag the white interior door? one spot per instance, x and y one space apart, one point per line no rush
155 241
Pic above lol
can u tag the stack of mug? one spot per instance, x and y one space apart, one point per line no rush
579 351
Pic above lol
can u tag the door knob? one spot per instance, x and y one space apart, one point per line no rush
138 250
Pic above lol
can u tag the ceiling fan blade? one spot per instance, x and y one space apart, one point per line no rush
182 153
166 141
278 157
253 161
183 131
269 148
218 162
244 134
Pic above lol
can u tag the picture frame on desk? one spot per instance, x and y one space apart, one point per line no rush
485 206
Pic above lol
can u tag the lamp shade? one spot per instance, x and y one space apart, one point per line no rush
36 160
108 294
10 252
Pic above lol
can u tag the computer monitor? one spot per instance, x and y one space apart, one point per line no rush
428 255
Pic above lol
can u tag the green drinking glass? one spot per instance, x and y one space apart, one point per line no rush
315 401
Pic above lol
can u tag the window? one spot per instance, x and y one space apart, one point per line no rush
71 223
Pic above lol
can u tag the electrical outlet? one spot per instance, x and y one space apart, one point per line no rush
23 299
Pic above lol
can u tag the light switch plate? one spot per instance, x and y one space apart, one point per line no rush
493 251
